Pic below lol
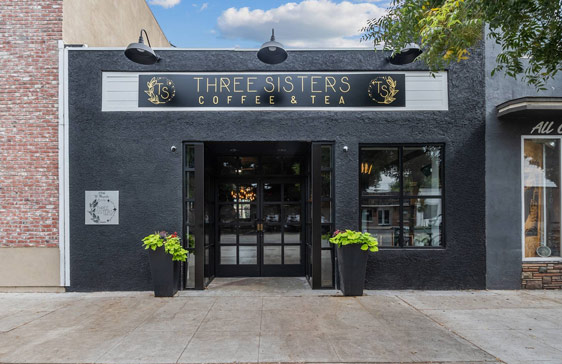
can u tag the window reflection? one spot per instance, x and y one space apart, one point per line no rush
541 184
391 179
380 172
422 169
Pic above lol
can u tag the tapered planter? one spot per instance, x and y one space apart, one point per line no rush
165 273
352 264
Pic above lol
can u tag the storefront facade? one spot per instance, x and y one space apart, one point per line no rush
258 188
522 182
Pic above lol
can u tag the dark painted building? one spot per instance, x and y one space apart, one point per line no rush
523 136
256 165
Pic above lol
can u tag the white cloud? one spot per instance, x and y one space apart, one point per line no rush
165 3
204 6
308 24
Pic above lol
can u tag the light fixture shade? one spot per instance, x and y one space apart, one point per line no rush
407 55
272 52
141 53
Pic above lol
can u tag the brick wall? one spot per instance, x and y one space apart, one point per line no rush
29 31
542 276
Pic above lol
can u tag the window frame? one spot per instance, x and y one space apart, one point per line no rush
522 196
402 196
381 219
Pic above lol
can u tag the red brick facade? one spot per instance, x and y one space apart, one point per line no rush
29 32
541 276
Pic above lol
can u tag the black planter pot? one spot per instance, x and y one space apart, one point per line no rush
165 273
352 264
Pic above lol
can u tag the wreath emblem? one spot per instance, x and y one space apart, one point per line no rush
102 211
382 90
160 90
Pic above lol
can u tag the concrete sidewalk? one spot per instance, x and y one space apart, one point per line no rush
253 320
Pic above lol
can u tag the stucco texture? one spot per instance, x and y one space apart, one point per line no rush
130 152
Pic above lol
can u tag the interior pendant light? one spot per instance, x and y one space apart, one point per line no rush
140 52
272 52
407 55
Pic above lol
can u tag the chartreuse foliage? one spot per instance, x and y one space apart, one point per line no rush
171 243
355 237
529 33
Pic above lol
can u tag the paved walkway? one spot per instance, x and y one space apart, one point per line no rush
276 320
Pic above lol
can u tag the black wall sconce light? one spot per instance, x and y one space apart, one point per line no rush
407 55
272 52
140 52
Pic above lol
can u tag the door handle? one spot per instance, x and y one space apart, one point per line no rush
259 228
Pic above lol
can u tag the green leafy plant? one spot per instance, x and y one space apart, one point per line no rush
347 237
529 33
171 243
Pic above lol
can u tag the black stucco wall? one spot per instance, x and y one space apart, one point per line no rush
130 152
503 174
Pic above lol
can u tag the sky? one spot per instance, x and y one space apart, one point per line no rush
248 23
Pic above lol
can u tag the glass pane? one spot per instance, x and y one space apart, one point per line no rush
326 212
190 271
227 192
422 222
292 166
247 235
293 192
228 254
248 165
271 165
326 235
248 255
190 184
190 212
227 235
272 234
326 156
272 192
380 171
190 156
326 184
272 213
292 255
422 170
292 214
228 165
272 255
326 275
227 214
541 183
247 212
292 234
247 192
386 234
206 256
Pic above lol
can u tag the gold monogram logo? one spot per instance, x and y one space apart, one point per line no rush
160 90
382 90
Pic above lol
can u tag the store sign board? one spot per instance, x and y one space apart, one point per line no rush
102 208
279 90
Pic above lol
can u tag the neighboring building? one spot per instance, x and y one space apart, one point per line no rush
33 33
523 139
256 165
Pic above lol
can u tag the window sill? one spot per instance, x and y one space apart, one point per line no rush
542 260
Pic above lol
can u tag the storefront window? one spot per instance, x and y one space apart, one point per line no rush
541 198
401 195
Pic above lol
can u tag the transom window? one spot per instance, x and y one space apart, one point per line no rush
402 193
541 198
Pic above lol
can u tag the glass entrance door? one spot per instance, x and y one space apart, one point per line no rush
260 229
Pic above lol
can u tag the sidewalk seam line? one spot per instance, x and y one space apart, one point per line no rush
196 330
449 329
